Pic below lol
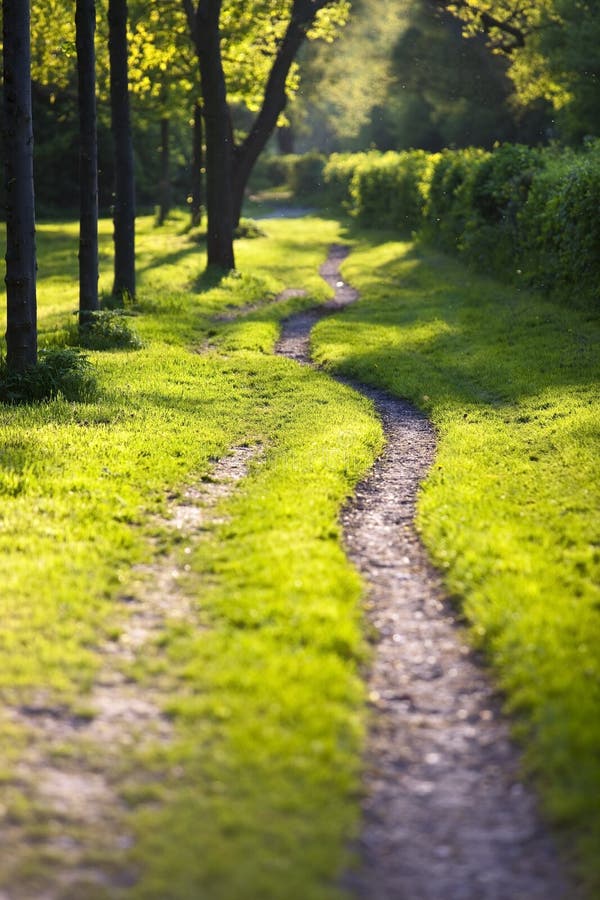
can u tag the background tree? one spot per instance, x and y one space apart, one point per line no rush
274 37
21 332
554 52
421 83
85 21
124 202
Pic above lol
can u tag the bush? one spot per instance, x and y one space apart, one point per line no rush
387 191
560 227
107 329
270 171
496 189
338 174
63 373
447 209
517 212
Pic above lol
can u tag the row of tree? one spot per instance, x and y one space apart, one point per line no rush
228 68
265 30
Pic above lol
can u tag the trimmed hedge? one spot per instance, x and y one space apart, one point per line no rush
521 213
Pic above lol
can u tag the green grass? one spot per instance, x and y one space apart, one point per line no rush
511 509
258 794
258 791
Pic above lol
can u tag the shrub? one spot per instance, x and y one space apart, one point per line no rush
248 228
107 329
270 171
387 191
560 226
306 174
59 373
338 174
495 190
447 209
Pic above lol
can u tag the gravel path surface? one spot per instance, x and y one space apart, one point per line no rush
446 816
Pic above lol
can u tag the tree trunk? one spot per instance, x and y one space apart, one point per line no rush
203 21
197 165
219 137
21 332
165 181
228 171
285 139
85 25
124 207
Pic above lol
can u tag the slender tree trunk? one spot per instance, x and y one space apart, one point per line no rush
124 208
165 181
285 139
21 332
204 27
85 24
197 165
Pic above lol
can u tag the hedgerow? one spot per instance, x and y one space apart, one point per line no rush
517 212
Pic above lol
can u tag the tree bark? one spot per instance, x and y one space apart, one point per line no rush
219 136
85 25
124 206
21 332
285 139
165 180
228 169
197 166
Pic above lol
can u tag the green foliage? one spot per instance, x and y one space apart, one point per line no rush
447 208
559 225
306 175
510 509
248 228
62 373
387 192
338 175
302 174
495 191
525 214
107 329
552 52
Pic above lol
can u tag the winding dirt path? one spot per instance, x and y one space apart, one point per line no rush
445 816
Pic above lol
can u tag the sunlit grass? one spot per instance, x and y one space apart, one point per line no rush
511 509
270 683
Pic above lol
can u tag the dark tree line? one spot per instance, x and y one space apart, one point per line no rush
21 333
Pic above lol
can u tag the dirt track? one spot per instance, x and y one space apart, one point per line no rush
446 816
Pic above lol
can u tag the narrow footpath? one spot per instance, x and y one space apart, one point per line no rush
445 815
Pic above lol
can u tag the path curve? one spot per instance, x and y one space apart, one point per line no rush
445 816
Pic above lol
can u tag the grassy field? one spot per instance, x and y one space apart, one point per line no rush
258 794
267 677
511 510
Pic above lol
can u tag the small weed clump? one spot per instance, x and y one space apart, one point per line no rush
107 329
65 373
248 228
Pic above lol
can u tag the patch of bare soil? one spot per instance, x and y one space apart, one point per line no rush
446 814
78 768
